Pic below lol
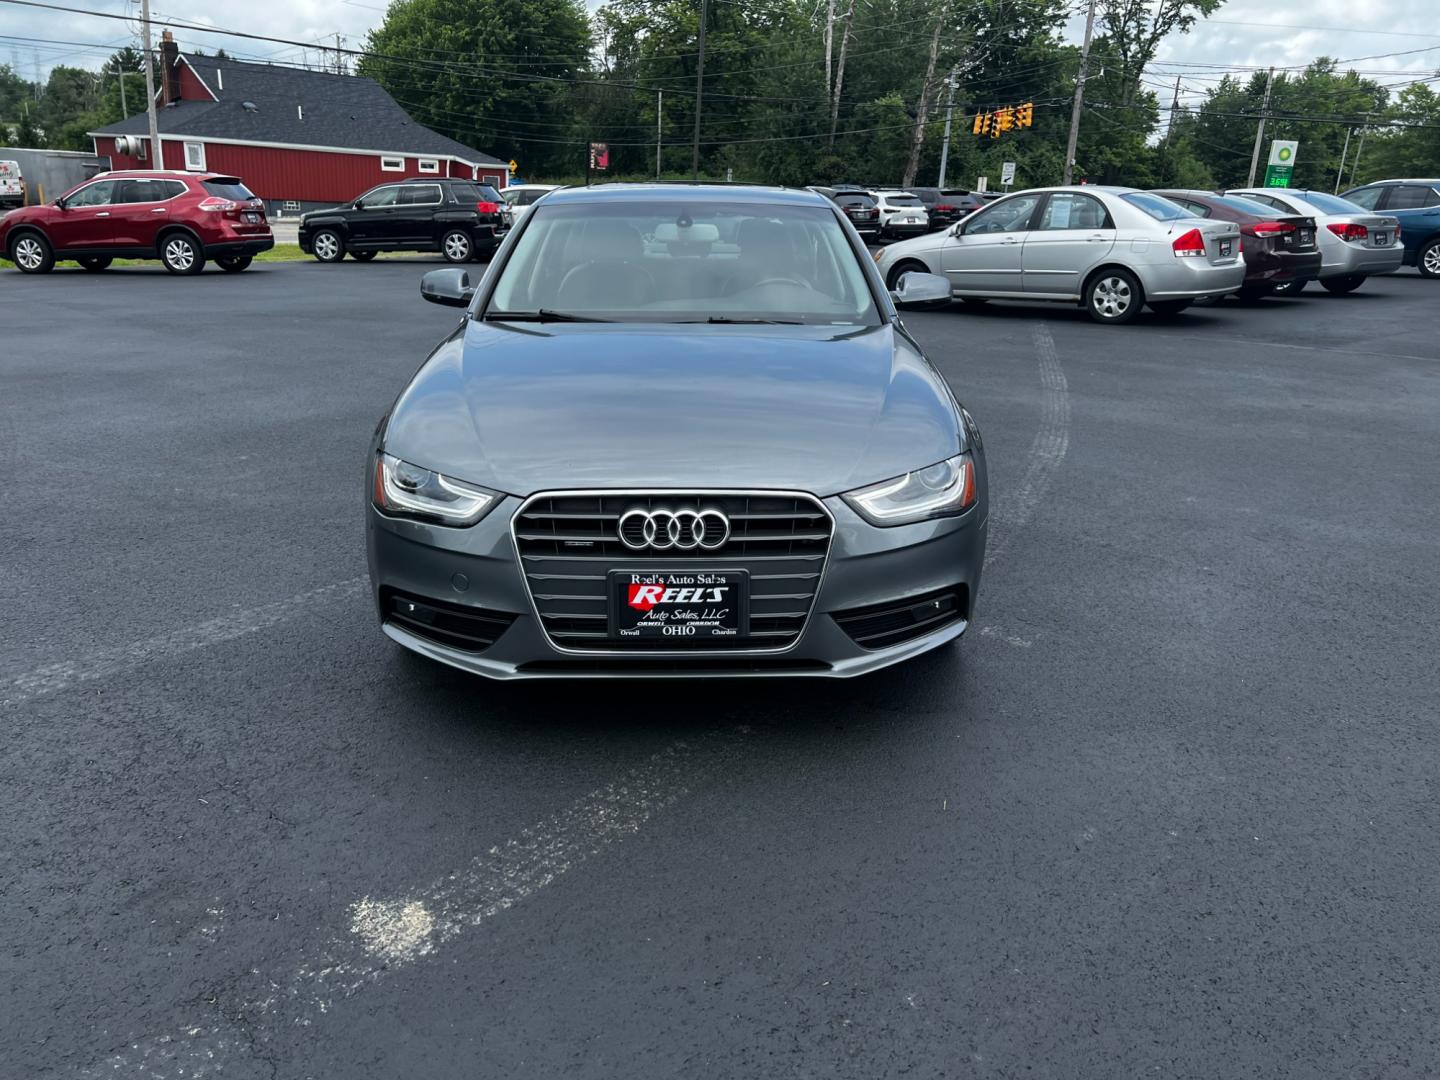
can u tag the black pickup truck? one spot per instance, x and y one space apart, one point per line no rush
461 219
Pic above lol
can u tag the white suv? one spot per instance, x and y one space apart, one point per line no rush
901 214
519 197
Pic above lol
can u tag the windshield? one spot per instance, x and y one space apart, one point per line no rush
1248 206
1158 207
902 200
1332 204
668 261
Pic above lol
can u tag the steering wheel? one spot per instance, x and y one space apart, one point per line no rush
779 281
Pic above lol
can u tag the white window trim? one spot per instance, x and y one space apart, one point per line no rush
429 165
192 166
392 164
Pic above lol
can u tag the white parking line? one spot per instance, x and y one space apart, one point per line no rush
387 933
1014 509
101 663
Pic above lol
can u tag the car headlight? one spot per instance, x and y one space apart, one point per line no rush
940 490
409 491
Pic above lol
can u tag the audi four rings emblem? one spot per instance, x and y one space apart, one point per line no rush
660 530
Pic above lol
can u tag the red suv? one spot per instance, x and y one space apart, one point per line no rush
180 218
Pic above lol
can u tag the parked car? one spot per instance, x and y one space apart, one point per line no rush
901 214
518 198
944 208
462 219
1354 243
964 201
1416 205
862 210
12 185
1279 247
752 471
1110 249
182 219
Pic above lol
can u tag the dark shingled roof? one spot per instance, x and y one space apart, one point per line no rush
343 111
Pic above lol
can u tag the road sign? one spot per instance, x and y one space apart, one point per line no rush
514 165
1281 165
599 156
1007 173
982 183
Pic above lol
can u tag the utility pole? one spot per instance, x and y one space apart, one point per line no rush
699 91
124 109
1174 108
1355 165
1079 95
339 55
157 158
659 131
949 113
922 110
1344 152
829 39
839 77
1260 129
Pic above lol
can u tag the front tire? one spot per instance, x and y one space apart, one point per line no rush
233 264
456 246
905 266
1339 286
95 263
181 254
1114 296
328 246
1169 307
1428 261
32 253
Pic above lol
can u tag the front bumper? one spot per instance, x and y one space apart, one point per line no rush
867 567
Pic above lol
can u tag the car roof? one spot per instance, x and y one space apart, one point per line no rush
687 192
1406 180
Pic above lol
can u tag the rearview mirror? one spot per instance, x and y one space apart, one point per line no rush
451 287
915 289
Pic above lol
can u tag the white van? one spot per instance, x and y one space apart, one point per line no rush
12 185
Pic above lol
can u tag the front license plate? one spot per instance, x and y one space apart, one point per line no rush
1225 247
679 605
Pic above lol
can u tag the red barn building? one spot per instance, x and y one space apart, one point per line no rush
299 139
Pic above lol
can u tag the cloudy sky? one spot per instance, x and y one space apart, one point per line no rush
1253 33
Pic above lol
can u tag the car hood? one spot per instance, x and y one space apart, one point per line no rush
523 408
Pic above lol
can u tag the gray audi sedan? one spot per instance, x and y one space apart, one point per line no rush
680 431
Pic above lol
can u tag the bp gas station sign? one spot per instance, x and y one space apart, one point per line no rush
1281 164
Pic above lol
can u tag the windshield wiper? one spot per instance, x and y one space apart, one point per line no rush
543 315
751 322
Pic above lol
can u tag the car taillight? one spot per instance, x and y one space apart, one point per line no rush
1348 232
944 206
1191 243
212 203
1272 228
488 207
1397 230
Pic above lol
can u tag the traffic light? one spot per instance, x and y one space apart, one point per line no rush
1004 121
982 124
1025 114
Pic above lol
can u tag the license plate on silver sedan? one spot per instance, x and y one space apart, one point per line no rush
1381 239
1226 246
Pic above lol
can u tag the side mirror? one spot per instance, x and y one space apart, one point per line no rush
921 290
60 204
451 287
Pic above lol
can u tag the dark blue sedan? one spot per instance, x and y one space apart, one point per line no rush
1417 204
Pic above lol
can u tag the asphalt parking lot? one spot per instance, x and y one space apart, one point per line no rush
1167 810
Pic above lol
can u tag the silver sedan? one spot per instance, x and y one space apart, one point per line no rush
1355 243
1111 249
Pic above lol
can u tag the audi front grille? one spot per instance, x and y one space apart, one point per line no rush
568 542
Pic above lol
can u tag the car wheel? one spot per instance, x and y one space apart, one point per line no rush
32 253
328 246
234 263
1114 296
905 266
1293 287
1428 261
362 256
1251 293
1342 285
1169 307
456 246
181 254
98 262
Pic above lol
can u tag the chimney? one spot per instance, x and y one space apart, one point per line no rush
169 69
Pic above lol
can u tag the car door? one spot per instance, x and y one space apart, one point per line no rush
1417 207
82 222
982 256
414 221
1072 234
140 207
369 223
